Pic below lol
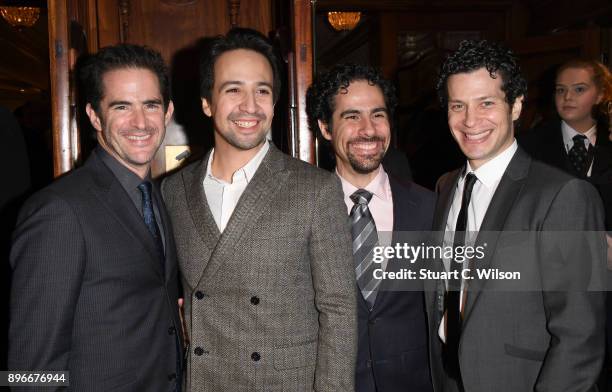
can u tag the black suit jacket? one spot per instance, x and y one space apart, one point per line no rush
392 346
90 293
545 144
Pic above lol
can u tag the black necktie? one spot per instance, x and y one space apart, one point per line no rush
148 215
579 156
453 296
365 238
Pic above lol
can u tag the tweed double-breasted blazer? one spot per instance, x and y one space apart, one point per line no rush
270 303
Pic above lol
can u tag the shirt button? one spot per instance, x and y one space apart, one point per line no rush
198 351
199 294
255 356
171 331
255 300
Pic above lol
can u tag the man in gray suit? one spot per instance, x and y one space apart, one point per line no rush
544 331
263 243
95 285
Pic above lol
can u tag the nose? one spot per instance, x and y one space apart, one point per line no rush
249 104
138 119
470 117
366 128
567 95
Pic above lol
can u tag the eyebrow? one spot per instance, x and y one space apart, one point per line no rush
573 84
155 101
355 111
117 103
241 83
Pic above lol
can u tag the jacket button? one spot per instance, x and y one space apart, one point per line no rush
171 376
198 351
255 356
199 294
372 321
255 300
171 331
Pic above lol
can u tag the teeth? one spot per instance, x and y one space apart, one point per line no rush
478 136
138 138
245 124
365 146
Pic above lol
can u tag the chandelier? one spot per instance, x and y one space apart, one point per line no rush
20 16
343 20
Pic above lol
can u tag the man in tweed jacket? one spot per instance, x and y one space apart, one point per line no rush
262 241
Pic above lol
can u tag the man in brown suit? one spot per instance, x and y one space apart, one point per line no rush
263 243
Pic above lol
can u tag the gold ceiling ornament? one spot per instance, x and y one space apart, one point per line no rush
20 16
343 20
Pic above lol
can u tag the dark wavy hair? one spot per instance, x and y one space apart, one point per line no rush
473 55
111 58
320 97
236 38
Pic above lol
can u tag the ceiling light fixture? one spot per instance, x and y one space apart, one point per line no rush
20 16
343 20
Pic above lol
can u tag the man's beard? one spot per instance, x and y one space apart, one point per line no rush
367 164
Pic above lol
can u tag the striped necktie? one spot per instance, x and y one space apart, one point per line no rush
365 238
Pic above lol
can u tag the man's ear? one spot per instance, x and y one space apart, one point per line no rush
325 131
206 107
517 107
93 118
169 112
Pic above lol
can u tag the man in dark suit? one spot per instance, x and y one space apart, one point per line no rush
94 288
542 330
352 106
262 244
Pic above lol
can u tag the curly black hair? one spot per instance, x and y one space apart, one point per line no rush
236 38
122 56
320 97
473 55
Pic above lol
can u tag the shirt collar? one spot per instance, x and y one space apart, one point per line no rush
127 178
379 186
569 133
491 172
246 172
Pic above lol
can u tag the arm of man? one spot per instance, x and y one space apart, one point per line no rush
574 255
47 259
335 290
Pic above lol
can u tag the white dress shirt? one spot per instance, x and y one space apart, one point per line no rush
380 206
568 138
488 177
223 196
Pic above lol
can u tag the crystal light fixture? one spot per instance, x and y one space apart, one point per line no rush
20 16
343 20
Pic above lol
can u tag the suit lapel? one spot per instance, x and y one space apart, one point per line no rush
435 290
203 220
168 234
493 222
112 195
404 209
268 178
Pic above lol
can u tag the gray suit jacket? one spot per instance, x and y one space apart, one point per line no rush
548 339
89 294
270 303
